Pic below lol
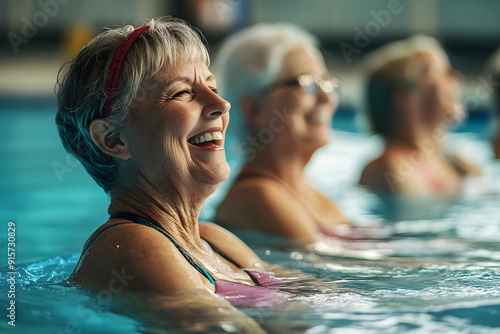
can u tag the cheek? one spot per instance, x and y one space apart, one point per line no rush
300 101
432 98
225 121
162 135
297 104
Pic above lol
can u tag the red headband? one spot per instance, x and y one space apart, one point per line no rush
115 69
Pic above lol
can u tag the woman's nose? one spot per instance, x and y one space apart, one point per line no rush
215 106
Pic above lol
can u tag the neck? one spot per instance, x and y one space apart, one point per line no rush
174 209
285 165
418 140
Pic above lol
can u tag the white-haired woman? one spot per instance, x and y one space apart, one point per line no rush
140 110
413 93
276 80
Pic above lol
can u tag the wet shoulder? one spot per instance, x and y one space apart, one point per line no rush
229 244
375 175
246 198
143 257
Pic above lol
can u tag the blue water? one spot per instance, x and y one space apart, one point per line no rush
437 267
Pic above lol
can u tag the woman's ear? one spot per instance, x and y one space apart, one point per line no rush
252 113
108 140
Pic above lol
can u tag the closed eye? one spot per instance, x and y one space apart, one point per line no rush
185 94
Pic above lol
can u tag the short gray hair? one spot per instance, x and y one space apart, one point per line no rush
81 84
249 61
396 65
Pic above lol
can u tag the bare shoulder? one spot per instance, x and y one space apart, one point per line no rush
324 207
139 259
229 244
255 191
375 174
244 198
266 205
465 167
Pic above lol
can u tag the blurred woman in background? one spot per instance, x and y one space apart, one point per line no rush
277 82
493 74
413 94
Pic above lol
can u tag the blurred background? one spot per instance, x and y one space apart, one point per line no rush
43 188
37 36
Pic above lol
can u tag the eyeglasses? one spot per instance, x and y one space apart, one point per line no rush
312 84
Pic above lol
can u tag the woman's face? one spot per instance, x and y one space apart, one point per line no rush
177 128
442 90
307 116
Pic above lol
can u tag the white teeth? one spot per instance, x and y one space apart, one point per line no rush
209 136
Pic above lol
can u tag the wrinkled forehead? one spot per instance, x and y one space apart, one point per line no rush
169 76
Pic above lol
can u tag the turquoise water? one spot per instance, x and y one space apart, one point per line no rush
435 267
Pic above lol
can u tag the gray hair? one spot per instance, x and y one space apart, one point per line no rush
249 61
397 65
81 84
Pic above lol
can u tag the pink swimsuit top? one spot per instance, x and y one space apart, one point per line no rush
261 294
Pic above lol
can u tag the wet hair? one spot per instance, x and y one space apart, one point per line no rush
396 66
249 62
81 84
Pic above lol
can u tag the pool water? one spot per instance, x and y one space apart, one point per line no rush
433 266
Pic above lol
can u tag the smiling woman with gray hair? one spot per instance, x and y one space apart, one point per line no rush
139 108
276 79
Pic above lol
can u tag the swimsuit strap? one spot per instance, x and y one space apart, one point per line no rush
143 221
218 251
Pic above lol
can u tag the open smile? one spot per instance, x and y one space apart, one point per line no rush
210 141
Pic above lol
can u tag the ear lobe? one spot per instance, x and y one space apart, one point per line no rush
109 141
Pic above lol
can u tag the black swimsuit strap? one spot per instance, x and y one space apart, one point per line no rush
218 251
189 258
143 221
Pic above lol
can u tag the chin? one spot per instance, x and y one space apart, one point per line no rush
312 145
217 174
320 144
322 137
224 173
